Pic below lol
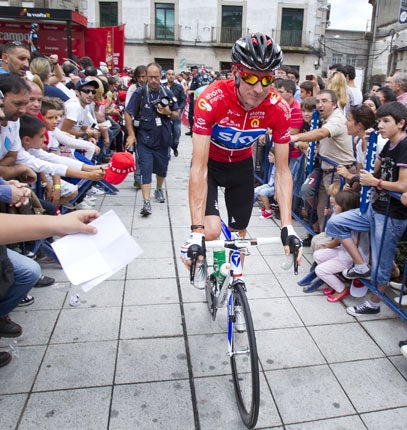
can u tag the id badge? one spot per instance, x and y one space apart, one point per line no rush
158 121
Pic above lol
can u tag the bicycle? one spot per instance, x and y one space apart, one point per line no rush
242 348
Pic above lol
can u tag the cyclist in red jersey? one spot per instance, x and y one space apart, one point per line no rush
229 116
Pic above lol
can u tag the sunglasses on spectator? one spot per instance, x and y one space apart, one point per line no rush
11 44
88 91
253 79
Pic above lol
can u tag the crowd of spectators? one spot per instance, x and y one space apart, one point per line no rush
62 121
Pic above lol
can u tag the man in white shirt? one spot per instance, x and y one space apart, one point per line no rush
78 119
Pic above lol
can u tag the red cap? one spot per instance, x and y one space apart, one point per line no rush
120 165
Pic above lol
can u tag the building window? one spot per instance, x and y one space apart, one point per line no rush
336 58
291 27
165 63
351 59
108 13
231 23
164 21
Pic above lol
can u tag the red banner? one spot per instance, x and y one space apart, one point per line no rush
106 44
52 38
101 44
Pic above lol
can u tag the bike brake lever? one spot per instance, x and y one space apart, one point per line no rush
295 246
193 254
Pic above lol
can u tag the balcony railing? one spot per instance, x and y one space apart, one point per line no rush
185 34
295 39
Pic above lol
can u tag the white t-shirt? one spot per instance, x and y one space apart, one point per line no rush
76 113
10 138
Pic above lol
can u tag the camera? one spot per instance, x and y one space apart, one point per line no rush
309 77
164 102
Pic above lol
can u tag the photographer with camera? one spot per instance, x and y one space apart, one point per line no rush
148 117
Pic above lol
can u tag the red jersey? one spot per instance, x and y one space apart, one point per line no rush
234 130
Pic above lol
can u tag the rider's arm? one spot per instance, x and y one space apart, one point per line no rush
283 183
198 186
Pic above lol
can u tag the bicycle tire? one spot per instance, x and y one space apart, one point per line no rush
245 366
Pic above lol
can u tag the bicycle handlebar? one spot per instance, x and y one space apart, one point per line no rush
245 243
241 242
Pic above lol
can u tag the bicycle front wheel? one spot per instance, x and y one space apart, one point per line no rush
244 360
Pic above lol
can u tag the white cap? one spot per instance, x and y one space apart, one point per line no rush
358 288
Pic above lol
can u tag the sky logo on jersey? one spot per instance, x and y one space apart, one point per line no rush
230 138
203 105
255 122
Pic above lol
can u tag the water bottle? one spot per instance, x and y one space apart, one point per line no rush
219 257
222 273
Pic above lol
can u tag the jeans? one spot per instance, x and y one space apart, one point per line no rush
382 251
26 274
176 128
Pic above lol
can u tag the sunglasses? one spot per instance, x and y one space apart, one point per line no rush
253 79
9 45
88 91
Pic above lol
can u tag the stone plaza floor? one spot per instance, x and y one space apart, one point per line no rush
141 351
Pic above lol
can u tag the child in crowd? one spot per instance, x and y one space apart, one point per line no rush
333 258
299 171
264 192
321 240
386 216
61 143
32 132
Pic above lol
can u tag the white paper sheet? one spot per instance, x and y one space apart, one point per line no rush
89 259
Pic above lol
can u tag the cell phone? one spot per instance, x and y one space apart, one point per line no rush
309 77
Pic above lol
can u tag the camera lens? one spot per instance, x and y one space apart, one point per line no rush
164 102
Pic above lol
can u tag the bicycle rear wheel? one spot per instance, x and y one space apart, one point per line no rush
244 360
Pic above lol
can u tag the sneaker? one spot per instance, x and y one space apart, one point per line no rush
352 274
159 195
44 281
68 206
89 202
262 209
363 309
188 133
266 215
146 209
175 150
82 205
403 347
5 358
96 191
240 324
9 328
27 301
30 254
90 198
307 241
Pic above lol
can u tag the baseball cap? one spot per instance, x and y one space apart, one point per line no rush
86 81
120 165
358 288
